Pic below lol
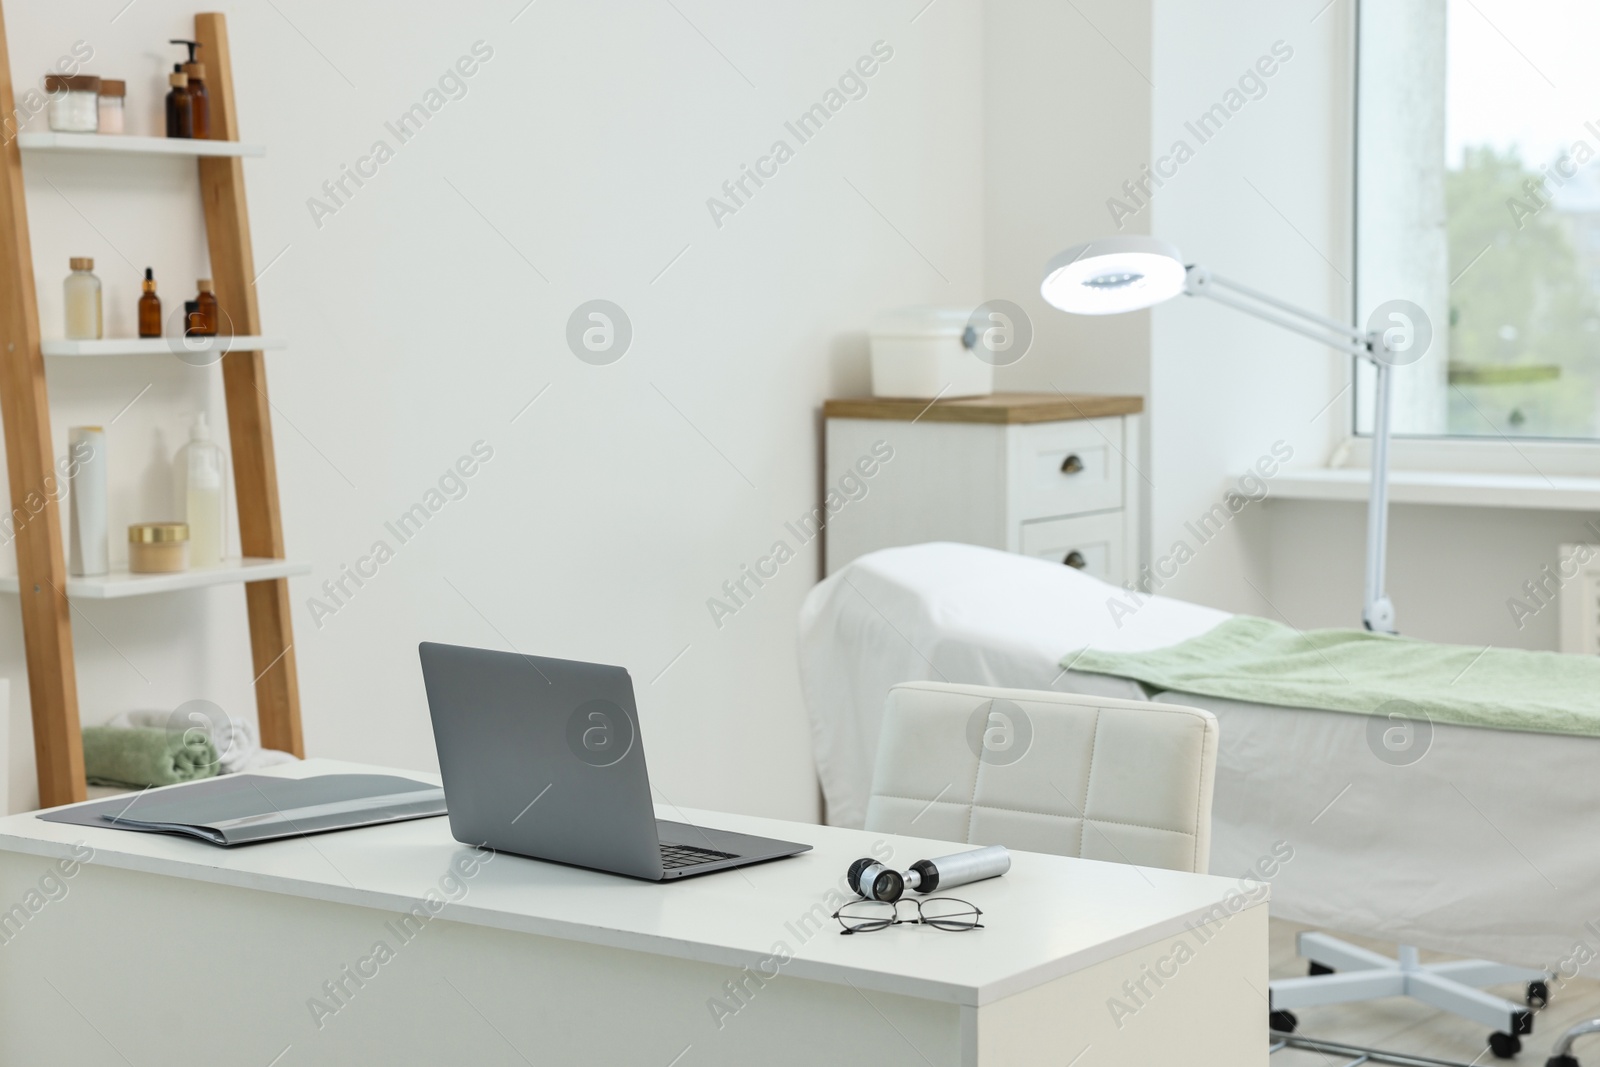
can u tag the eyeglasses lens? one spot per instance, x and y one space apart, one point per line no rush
859 916
948 913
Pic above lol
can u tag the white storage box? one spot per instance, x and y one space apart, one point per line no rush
927 353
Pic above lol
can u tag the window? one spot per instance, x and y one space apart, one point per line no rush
1478 198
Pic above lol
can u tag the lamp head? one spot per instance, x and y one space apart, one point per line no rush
1113 275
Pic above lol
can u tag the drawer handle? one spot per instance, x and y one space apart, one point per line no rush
1072 464
1075 559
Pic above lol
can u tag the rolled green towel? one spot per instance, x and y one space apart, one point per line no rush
146 755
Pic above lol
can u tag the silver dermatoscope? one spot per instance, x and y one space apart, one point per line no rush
874 881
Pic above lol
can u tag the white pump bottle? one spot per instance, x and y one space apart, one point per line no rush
205 504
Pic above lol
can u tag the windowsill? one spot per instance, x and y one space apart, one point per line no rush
1445 488
1523 456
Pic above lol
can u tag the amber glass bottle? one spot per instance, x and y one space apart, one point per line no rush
149 307
180 115
199 101
209 317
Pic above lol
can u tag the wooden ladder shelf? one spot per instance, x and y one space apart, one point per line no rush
24 407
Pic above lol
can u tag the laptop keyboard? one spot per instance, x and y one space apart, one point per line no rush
673 856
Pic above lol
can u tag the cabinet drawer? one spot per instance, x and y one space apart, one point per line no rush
1095 541
1067 468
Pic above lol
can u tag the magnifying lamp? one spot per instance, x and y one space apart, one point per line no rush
1118 274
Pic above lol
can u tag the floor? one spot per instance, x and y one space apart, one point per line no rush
1403 1025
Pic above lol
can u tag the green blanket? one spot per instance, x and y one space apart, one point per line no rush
1264 662
146 755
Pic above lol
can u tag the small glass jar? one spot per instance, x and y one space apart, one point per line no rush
74 102
158 547
113 95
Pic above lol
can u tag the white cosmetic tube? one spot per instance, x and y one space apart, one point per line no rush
88 542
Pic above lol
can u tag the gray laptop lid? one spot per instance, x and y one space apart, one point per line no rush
542 757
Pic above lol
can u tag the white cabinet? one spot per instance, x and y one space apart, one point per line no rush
1094 543
1045 475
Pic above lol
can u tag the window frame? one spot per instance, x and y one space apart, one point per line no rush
1456 453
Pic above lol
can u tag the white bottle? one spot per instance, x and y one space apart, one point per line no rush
81 292
203 481
88 548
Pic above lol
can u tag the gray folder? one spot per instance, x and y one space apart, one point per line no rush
241 809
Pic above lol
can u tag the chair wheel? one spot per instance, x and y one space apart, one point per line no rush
1561 1061
1319 968
1503 1045
1538 994
1284 1022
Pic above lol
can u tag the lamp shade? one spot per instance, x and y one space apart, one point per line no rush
1113 275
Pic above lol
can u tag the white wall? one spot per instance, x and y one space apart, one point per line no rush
1066 121
1261 202
584 151
1452 571
1067 93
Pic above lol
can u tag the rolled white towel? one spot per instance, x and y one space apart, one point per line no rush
235 739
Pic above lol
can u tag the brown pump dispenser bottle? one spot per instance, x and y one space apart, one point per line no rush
180 115
199 99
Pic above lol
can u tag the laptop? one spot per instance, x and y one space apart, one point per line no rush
542 758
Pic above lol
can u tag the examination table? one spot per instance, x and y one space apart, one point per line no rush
1472 841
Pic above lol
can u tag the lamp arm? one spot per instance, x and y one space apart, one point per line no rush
1377 610
1205 277
1334 334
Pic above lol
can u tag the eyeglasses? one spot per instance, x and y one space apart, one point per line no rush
941 913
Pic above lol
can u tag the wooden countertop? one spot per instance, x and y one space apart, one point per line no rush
995 408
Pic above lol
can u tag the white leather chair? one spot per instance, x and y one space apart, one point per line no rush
1096 777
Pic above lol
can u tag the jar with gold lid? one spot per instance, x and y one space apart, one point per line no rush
158 547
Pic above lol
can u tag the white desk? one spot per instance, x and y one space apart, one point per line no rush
167 951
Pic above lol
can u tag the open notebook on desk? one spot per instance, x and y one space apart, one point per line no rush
242 809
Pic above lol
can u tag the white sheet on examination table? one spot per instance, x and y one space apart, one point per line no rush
1482 847
1485 846
958 613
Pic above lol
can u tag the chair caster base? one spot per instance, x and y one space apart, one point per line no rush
1284 1022
1504 1045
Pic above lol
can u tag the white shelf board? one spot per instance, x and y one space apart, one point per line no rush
185 348
119 584
1445 488
50 141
